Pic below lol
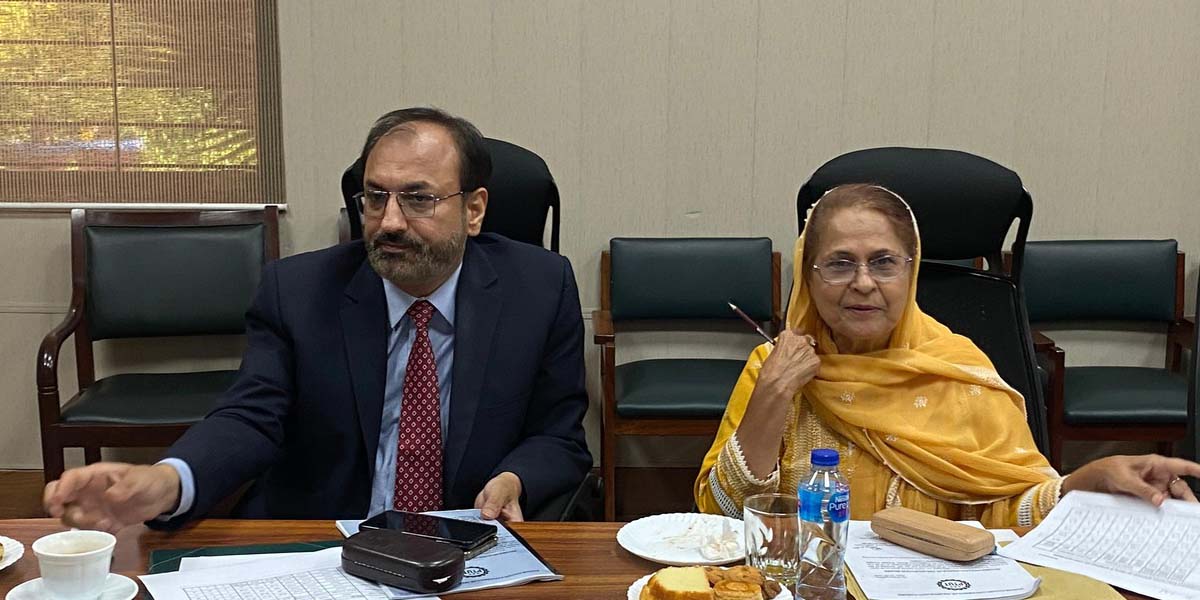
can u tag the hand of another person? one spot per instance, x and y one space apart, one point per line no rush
501 497
1150 477
792 363
110 496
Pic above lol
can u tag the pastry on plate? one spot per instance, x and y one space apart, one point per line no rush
736 590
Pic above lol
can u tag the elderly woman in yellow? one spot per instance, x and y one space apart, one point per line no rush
918 413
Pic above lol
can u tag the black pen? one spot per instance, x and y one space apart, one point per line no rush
747 319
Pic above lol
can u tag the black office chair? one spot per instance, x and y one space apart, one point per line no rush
521 195
964 206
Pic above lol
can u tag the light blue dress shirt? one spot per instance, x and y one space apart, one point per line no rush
400 340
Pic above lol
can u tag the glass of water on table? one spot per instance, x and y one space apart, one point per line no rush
773 536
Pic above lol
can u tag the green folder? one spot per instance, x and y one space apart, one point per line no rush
166 561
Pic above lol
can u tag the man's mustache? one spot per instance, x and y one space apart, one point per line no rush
402 240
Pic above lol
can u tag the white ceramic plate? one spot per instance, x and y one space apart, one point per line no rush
678 538
635 590
117 587
13 551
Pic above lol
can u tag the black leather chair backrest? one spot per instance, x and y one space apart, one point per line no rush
989 309
521 195
690 278
166 281
1101 280
964 204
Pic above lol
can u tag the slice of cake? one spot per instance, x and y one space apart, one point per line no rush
678 583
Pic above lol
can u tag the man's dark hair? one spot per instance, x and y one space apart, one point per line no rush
474 160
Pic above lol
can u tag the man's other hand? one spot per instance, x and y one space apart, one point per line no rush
501 498
110 496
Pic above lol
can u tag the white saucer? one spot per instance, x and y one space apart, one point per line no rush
117 587
13 551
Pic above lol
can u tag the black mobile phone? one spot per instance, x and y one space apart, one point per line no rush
469 536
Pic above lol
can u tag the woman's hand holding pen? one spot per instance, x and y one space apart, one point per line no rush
792 364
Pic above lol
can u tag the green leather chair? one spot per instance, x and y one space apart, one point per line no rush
1110 284
669 284
138 275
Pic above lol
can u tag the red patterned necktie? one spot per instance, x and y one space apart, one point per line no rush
419 449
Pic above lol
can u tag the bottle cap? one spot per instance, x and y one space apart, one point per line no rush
825 457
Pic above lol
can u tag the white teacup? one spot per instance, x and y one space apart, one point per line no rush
74 564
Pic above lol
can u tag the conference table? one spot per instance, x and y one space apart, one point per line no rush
587 554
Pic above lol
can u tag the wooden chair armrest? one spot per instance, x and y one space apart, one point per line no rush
1042 343
602 327
47 360
1183 332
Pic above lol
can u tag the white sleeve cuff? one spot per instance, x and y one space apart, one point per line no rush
187 487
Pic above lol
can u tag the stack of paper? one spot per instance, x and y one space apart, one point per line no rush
1122 541
886 571
319 575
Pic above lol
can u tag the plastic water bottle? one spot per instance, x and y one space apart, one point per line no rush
824 520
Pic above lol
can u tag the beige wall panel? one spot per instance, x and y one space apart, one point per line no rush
536 52
975 88
710 137
1151 101
1064 52
1112 347
168 355
304 226
798 111
623 157
889 55
444 56
20 445
37 267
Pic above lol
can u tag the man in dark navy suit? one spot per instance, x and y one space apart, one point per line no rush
428 367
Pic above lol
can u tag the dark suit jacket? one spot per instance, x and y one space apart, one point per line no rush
303 417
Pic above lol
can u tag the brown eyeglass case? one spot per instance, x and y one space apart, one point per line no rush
404 561
932 535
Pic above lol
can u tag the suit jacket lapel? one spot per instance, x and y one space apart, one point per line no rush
477 311
365 329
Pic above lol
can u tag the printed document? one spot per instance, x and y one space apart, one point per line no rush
296 576
1121 541
886 571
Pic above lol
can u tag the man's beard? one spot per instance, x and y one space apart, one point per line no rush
420 262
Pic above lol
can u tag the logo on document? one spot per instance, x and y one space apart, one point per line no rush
954 585
480 572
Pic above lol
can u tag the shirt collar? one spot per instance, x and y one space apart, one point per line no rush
442 299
